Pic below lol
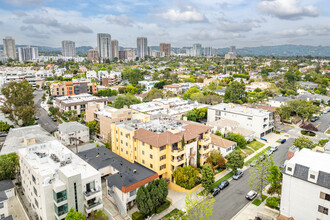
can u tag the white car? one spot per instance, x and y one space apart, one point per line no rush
274 148
251 195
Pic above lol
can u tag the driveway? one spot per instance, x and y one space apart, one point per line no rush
44 120
231 200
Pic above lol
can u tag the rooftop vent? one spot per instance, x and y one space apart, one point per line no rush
134 171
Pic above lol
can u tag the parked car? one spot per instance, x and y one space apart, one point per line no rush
253 163
54 119
315 118
283 141
251 195
215 191
3 135
274 148
223 184
36 118
262 157
269 152
238 175
49 114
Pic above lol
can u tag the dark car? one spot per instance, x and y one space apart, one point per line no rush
223 184
215 191
251 195
283 141
315 118
49 114
238 175
54 119
262 158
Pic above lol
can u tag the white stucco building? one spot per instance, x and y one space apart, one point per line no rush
257 120
72 133
306 186
54 180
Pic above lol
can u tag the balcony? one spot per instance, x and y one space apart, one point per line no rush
92 207
177 161
203 159
89 194
177 152
204 150
205 142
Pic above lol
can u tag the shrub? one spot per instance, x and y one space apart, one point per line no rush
164 206
256 202
273 202
137 216
308 133
278 132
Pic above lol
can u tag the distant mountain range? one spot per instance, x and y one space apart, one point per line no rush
280 50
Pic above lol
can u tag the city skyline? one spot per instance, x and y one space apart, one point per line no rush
218 24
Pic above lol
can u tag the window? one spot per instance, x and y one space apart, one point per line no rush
2 216
36 202
323 210
151 166
142 143
75 196
162 167
289 169
150 156
121 133
312 176
162 148
60 196
126 144
135 148
33 179
143 152
162 157
324 196
121 141
127 152
150 147
1 205
35 191
132 193
143 161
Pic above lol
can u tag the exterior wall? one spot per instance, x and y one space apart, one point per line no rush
225 151
4 209
82 135
300 199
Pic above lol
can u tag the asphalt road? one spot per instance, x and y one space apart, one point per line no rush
232 199
323 123
44 120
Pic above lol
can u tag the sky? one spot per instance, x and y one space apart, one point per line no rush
216 23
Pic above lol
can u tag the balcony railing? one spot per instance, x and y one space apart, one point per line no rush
92 191
89 207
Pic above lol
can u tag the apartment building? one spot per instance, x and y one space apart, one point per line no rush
54 180
76 102
72 88
223 145
72 133
111 79
175 89
161 144
257 120
105 116
93 55
306 186
7 191
173 107
123 178
148 85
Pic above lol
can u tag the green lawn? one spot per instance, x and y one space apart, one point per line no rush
257 202
226 177
256 156
328 131
256 145
174 212
247 151
279 140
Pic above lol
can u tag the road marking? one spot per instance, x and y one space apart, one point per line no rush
317 125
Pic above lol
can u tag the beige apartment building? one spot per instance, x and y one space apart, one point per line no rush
105 116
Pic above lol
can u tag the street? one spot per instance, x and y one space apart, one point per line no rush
323 123
44 120
231 200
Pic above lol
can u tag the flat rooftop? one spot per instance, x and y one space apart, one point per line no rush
239 109
146 107
47 158
78 98
110 112
71 126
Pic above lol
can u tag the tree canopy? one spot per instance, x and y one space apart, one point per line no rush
9 164
303 142
122 100
199 207
207 176
235 93
235 160
74 215
19 102
186 177
238 138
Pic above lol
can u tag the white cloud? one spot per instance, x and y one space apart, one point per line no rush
122 20
233 26
188 15
301 32
287 9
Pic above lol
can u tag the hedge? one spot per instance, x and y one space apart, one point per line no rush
273 202
137 216
163 207
308 133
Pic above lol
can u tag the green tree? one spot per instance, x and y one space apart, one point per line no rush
186 177
99 215
107 92
74 215
19 102
132 90
9 164
199 207
4 126
143 201
93 126
154 94
260 175
238 138
303 142
214 157
235 160
133 75
159 85
235 92
275 180
122 100
197 114
190 91
163 189
207 176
